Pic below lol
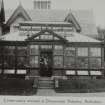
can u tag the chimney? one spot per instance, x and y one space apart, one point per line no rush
42 4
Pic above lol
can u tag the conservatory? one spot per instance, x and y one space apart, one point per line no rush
49 49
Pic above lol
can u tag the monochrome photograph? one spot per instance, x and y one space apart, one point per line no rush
52 48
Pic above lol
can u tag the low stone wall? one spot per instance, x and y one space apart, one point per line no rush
80 86
17 86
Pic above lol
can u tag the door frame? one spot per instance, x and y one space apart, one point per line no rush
46 51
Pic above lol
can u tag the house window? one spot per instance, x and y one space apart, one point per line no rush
9 61
22 57
22 51
46 37
9 56
46 46
82 51
58 50
70 51
34 61
1 57
95 63
34 49
82 62
58 61
69 62
95 52
0 61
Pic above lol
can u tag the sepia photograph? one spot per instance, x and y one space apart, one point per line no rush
52 48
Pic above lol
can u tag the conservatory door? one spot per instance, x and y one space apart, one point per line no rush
46 63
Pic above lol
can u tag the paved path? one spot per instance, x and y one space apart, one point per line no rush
51 92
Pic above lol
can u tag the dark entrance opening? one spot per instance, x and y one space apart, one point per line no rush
46 63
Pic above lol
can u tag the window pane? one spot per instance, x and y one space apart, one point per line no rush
58 50
34 49
69 62
34 62
58 61
9 50
46 46
95 52
22 51
22 62
0 50
70 51
82 52
82 63
47 37
95 63
9 61
0 61
58 47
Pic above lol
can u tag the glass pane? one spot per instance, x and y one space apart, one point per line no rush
58 50
9 50
34 49
69 62
47 37
46 46
34 62
82 63
95 52
0 61
82 52
9 61
58 47
22 62
0 50
95 63
22 51
57 29
55 38
70 51
58 61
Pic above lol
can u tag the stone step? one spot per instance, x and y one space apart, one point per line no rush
45 84
45 87
48 82
45 78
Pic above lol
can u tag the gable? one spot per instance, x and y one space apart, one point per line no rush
46 32
17 20
18 14
70 18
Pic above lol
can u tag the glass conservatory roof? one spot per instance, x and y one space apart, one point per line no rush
70 36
